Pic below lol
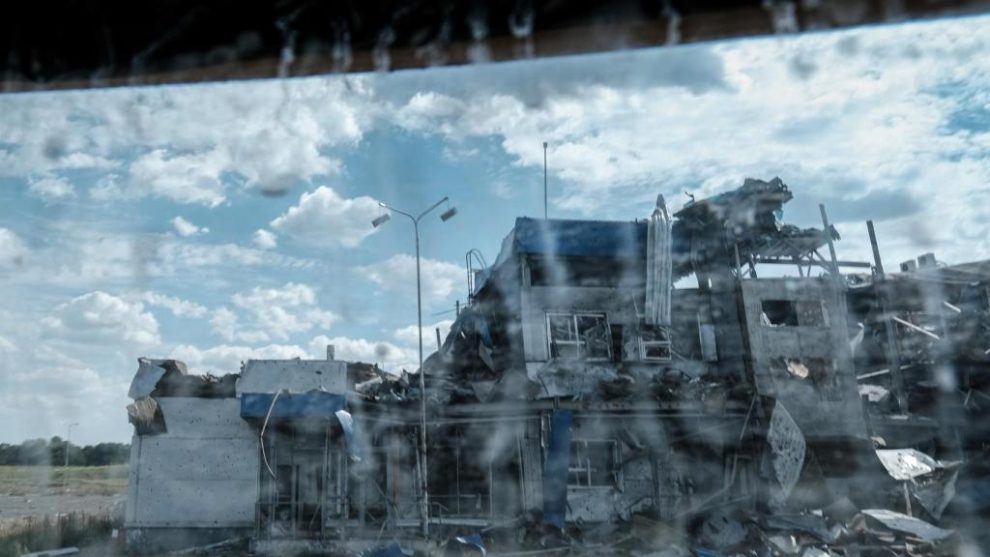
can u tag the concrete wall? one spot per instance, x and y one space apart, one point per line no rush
538 300
298 376
635 486
826 403
203 473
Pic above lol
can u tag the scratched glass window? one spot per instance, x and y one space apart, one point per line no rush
722 298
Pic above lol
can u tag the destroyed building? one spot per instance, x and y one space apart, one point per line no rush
579 390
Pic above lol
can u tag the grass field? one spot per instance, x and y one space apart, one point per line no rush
75 480
45 507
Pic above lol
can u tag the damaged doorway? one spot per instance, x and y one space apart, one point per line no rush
303 473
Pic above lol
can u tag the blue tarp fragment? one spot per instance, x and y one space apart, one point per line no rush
555 469
354 447
314 404
474 540
584 238
393 550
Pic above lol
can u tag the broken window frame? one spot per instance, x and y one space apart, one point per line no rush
800 313
579 466
659 338
579 344
451 504
785 312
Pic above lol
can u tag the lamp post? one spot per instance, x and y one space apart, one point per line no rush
445 216
68 435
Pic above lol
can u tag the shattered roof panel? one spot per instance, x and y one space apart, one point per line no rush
753 195
580 238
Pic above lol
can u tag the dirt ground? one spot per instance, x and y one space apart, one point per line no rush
43 490
38 505
28 494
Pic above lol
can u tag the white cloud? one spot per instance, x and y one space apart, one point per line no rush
264 239
186 150
227 358
398 274
178 306
80 254
7 346
192 178
12 248
108 188
271 313
171 256
431 111
390 356
225 323
324 217
408 336
52 188
860 115
97 318
185 228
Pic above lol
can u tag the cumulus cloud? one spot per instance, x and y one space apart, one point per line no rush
390 356
192 178
408 335
322 216
225 323
227 358
397 274
52 188
97 318
892 120
264 239
178 306
72 253
693 68
12 248
7 346
185 228
172 256
177 142
271 313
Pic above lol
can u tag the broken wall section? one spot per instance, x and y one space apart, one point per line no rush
800 354
195 483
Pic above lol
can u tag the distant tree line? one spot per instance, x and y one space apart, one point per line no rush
39 452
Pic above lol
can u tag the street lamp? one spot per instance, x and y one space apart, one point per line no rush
68 435
445 216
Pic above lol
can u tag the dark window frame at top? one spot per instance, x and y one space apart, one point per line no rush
573 341
594 463
793 313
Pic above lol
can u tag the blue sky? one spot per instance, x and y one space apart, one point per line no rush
215 223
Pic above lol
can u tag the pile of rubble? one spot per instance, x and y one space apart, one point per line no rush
839 529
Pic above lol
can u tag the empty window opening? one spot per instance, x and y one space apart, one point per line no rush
779 313
579 336
296 501
811 313
460 484
654 344
593 464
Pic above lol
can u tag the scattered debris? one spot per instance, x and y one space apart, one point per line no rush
581 404
54 552
788 447
908 525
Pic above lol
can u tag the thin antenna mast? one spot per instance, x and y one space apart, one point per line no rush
545 181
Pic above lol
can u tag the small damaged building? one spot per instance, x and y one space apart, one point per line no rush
216 458
602 373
